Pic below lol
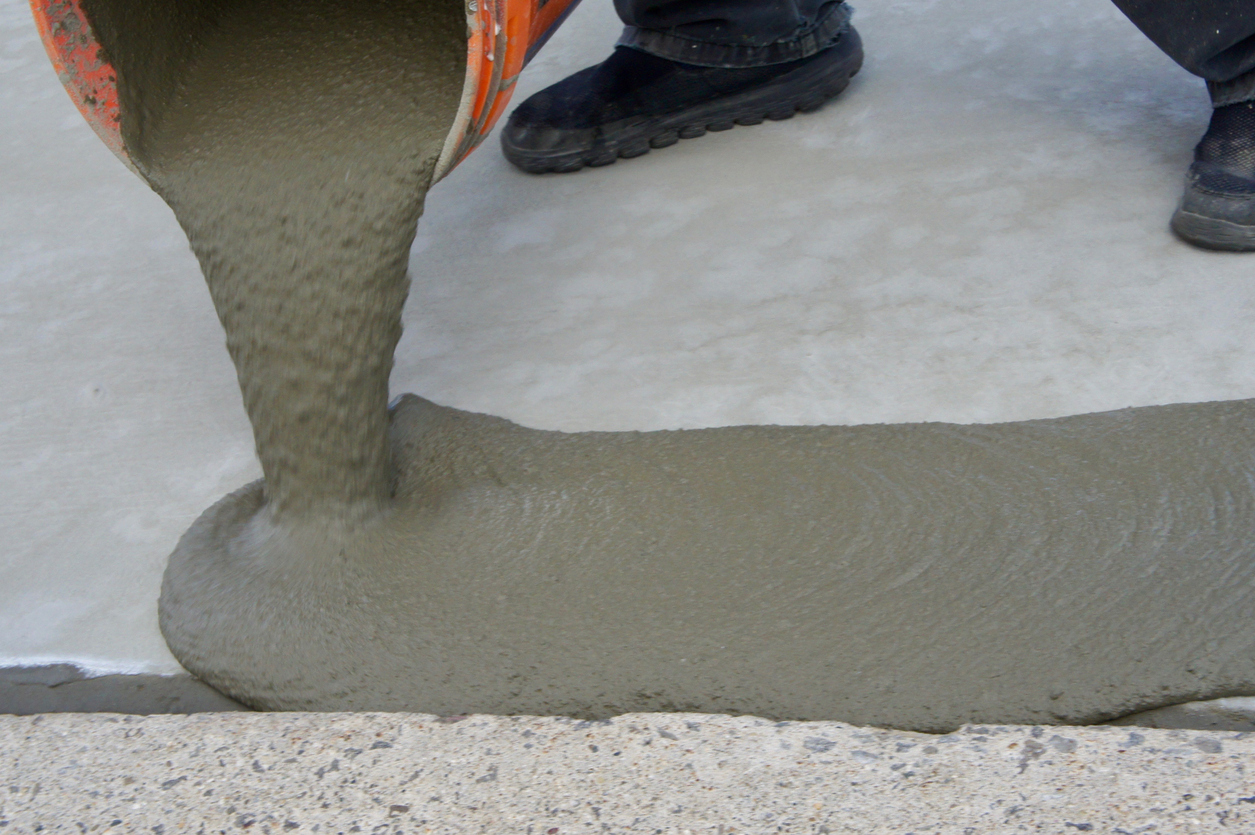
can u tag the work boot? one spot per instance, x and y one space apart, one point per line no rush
1218 209
634 101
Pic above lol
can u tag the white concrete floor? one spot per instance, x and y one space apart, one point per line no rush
976 231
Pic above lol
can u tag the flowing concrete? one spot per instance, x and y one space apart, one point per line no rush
652 773
920 576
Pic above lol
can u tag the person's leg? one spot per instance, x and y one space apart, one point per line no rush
683 67
731 33
1214 39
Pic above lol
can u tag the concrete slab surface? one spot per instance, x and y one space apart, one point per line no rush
640 773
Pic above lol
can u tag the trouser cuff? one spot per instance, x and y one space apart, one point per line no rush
1236 91
684 50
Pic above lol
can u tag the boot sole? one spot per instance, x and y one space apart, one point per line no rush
1213 233
774 102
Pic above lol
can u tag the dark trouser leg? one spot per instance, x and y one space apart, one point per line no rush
732 33
1214 39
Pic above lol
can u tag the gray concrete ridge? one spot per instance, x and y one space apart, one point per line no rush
646 773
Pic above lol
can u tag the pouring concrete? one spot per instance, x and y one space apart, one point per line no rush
359 520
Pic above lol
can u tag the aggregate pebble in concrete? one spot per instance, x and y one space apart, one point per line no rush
649 773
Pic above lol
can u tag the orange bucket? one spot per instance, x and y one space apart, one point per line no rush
503 37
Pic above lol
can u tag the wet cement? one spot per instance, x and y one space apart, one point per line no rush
915 576
295 141
64 688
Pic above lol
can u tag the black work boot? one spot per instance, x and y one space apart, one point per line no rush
1218 209
634 101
